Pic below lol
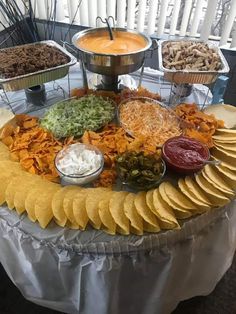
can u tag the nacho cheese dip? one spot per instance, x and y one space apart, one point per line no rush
124 42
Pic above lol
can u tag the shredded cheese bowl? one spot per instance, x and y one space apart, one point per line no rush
145 118
79 164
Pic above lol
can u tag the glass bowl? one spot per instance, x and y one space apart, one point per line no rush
136 177
142 101
83 176
143 117
185 155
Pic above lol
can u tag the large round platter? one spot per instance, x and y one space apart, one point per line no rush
117 209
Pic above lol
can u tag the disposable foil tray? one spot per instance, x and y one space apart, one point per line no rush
191 76
42 76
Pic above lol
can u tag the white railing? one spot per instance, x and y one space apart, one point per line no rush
194 18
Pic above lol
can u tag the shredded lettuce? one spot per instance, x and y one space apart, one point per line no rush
75 116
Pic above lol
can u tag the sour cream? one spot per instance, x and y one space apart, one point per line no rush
79 163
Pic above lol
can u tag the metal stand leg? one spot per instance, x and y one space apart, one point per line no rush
68 83
204 103
85 80
6 100
141 77
172 96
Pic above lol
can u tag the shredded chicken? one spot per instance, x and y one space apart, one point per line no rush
189 55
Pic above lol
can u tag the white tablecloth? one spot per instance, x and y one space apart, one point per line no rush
92 272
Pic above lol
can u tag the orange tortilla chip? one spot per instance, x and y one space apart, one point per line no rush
8 141
113 140
15 156
30 123
23 154
34 147
32 170
197 124
6 131
27 163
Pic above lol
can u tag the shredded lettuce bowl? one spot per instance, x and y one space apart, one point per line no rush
74 116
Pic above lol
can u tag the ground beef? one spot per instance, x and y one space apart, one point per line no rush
29 58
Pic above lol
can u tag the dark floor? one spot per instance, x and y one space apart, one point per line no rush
221 301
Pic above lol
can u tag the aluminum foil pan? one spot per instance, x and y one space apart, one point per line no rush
39 77
188 76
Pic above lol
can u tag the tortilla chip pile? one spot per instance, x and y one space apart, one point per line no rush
197 124
32 146
121 212
36 148
117 97
113 140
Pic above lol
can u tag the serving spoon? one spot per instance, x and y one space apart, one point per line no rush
106 21
109 30
212 162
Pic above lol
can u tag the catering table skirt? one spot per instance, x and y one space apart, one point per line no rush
91 272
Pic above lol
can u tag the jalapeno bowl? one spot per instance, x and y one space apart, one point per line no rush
139 171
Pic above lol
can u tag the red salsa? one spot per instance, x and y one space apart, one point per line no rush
185 153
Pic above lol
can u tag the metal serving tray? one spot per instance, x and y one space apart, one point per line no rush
188 76
39 77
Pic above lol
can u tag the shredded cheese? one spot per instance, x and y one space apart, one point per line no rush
148 119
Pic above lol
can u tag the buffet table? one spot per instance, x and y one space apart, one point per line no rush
92 272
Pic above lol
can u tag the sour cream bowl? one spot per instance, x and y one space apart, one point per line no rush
79 164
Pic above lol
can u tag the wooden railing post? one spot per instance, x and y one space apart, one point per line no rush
148 16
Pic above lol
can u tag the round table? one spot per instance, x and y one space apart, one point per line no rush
91 272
